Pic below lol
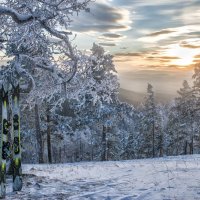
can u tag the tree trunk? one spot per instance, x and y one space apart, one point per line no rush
185 149
161 146
64 155
191 145
81 150
192 137
153 150
60 155
49 136
92 149
161 151
38 135
104 145
177 144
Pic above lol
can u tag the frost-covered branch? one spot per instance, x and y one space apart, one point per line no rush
37 32
17 17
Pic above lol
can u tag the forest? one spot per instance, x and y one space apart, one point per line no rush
70 110
97 126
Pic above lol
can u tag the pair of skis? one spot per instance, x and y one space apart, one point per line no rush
5 144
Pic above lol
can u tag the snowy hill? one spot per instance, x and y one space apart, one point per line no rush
149 179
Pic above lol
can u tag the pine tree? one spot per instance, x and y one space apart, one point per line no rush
181 123
151 129
185 105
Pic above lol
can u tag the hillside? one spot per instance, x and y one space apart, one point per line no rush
148 179
136 98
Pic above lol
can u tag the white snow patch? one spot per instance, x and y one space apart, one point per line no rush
148 179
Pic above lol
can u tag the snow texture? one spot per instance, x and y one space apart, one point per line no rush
167 178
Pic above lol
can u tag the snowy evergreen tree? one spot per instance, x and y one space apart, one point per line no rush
128 121
186 105
181 125
151 126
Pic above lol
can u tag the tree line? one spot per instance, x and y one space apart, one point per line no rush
98 126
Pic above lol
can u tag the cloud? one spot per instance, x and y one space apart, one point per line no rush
146 58
100 27
195 33
110 38
170 35
143 3
129 54
112 35
196 61
165 57
164 31
102 18
190 46
197 56
123 47
146 55
107 44
122 60
189 14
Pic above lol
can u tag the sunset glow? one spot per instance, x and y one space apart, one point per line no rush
151 38
185 55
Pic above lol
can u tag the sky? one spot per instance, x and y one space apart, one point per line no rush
153 42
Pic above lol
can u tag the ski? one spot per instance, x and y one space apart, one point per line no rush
17 169
4 145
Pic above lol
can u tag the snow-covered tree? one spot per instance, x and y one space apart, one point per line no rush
129 124
182 122
33 33
81 107
186 103
35 39
151 126
98 96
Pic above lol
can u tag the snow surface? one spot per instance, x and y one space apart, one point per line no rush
148 179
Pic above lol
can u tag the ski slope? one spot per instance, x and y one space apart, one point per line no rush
170 178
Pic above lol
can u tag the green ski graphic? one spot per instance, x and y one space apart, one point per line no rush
17 170
4 145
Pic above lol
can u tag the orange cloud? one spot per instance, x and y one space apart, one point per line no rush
129 54
164 57
191 46
197 56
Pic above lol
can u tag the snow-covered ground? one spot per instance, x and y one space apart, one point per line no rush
176 178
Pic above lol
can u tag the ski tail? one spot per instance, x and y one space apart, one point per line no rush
17 168
4 147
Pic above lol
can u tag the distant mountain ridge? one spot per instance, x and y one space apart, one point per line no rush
135 98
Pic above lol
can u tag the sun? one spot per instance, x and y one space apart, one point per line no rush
185 56
186 59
